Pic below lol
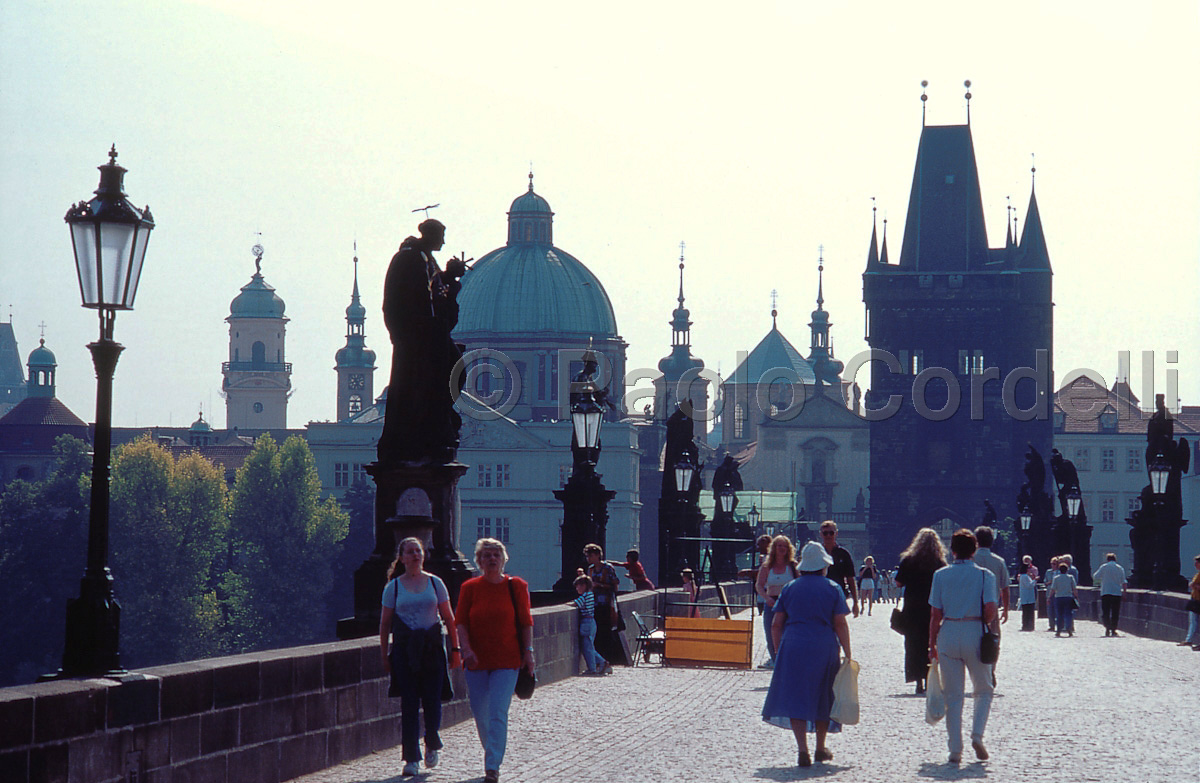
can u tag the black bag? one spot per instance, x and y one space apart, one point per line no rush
525 680
898 624
989 643
1193 605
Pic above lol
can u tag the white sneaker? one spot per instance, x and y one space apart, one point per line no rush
431 758
410 769
767 664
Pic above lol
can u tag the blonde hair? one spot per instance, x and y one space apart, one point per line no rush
491 543
791 552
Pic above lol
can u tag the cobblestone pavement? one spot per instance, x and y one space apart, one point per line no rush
1087 708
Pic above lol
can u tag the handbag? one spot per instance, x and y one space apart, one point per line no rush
845 694
525 680
935 700
897 621
989 643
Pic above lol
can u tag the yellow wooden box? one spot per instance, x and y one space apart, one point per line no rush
700 641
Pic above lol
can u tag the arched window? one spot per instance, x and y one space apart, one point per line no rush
258 354
355 403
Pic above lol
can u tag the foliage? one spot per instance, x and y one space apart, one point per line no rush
43 551
168 532
285 541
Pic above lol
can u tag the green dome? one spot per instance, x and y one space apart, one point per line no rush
257 300
200 425
42 356
531 286
355 356
528 288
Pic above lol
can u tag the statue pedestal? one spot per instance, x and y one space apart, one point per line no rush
418 500
585 520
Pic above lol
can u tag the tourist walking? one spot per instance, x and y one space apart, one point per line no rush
1051 608
984 558
413 600
868 579
924 556
777 570
809 626
962 600
491 608
1027 595
1111 578
1065 592
842 570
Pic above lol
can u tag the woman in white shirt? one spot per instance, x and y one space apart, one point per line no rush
413 600
1065 591
1027 596
778 568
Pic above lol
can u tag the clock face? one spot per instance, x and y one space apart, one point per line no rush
357 381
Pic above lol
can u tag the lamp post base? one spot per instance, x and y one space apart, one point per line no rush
93 630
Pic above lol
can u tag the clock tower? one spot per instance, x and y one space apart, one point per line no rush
355 362
257 380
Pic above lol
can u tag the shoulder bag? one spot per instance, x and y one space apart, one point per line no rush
897 621
525 680
989 643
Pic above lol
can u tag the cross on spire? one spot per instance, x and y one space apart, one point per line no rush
774 309
41 326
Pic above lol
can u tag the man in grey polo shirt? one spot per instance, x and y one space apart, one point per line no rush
985 537
1111 578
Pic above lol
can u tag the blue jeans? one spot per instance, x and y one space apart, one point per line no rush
1193 628
768 617
587 644
1065 606
490 692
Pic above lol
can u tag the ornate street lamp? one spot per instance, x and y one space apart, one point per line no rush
684 470
1160 471
754 516
587 417
1025 518
109 236
726 496
1074 498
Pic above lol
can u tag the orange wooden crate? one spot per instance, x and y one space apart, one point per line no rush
700 641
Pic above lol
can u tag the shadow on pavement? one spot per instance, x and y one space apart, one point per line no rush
948 771
797 773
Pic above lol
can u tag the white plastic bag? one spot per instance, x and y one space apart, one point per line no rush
935 702
845 694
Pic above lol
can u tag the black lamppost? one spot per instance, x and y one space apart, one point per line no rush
109 235
754 516
584 498
1025 521
1074 499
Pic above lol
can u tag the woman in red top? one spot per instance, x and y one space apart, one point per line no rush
490 608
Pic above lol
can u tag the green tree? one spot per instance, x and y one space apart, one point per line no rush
168 529
43 551
285 542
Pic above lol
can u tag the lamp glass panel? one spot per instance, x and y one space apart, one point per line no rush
592 423
138 256
1158 479
1026 519
579 420
116 247
726 501
1073 502
83 238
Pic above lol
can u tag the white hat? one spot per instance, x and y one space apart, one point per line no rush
814 557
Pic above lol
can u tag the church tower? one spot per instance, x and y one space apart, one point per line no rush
820 351
971 332
257 381
355 361
680 380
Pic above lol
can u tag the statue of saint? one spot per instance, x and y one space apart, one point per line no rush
420 309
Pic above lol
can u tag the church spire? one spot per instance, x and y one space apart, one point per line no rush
883 256
873 250
820 356
355 365
1034 254
681 327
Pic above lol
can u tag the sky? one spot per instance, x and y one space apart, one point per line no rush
755 136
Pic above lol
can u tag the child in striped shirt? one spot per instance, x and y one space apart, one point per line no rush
586 603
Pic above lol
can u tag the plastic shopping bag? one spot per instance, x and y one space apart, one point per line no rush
845 694
935 702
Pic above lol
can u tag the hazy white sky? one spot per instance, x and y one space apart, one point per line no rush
754 135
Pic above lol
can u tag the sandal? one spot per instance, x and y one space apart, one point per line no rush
804 760
823 754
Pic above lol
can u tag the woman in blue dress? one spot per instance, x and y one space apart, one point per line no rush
809 627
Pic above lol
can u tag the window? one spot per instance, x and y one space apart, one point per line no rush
1133 459
542 392
497 528
1108 508
355 403
502 476
1108 459
341 474
1083 459
1133 503
501 529
739 421
493 476
916 362
360 473
483 475
977 363
484 527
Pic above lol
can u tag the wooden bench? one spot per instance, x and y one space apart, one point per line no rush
700 641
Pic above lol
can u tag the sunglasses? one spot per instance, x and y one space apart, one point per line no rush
829 532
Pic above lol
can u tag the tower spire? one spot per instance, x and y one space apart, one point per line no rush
967 84
774 309
820 277
873 251
883 256
924 98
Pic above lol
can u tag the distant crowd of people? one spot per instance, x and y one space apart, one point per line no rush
944 602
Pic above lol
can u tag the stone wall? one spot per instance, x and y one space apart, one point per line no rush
257 718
